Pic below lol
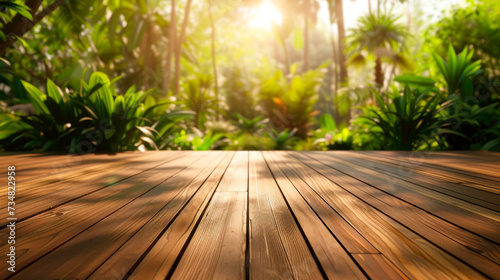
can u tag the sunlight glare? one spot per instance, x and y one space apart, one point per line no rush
265 15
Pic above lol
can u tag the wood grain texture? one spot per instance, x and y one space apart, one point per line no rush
469 194
217 249
236 177
422 161
277 247
47 193
413 255
462 244
477 219
42 233
334 260
378 267
256 215
100 241
167 245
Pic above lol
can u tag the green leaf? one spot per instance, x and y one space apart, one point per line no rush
492 145
415 81
104 95
108 133
327 123
10 125
21 8
37 98
54 92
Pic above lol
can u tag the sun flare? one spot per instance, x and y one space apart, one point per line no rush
265 15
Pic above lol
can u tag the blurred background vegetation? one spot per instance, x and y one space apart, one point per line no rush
80 76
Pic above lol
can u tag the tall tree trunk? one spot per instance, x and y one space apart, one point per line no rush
172 35
306 36
178 48
336 114
214 65
20 25
341 35
370 7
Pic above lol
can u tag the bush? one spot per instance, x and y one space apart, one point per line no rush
405 121
95 119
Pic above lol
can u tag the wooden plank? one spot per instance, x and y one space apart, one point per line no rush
334 260
413 255
379 267
43 233
475 196
236 177
429 167
351 239
36 166
166 246
475 162
83 254
38 198
277 248
217 249
479 220
468 247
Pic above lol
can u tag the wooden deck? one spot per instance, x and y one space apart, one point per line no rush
254 215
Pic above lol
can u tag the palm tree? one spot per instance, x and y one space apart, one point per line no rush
381 36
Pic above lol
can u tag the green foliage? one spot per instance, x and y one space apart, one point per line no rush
377 30
379 34
238 89
294 102
282 140
183 140
94 119
8 9
198 97
258 105
415 81
474 25
330 138
406 121
251 126
471 126
458 70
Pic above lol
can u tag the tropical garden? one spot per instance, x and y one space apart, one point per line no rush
81 76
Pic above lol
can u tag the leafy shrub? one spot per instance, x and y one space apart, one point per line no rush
330 138
94 119
405 121
255 125
458 70
290 104
282 140
196 141
197 97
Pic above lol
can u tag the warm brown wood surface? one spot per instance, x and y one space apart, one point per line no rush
255 215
